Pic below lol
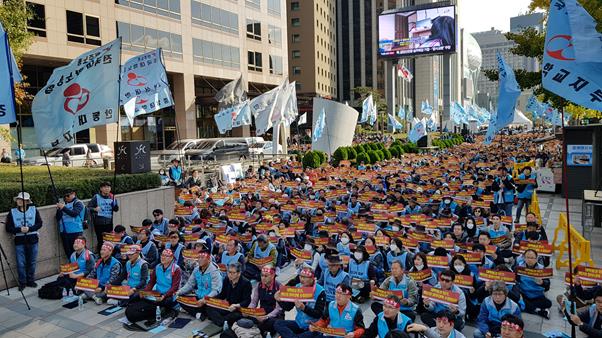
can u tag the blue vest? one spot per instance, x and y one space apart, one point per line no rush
528 192
529 288
258 253
401 286
134 272
103 271
593 315
302 319
106 206
176 252
383 328
162 227
343 320
343 249
495 316
30 219
227 260
70 224
401 258
203 282
503 231
359 271
330 283
81 260
164 277
146 248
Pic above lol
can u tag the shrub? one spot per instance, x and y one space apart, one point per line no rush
351 153
373 156
362 157
85 181
311 159
381 155
387 154
322 156
359 148
394 152
340 154
380 146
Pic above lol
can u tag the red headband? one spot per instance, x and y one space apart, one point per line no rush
392 303
79 241
306 272
268 269
167 253
345 292
512 326
108 246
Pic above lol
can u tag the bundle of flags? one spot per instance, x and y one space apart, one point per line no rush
426 108
368 111
9 75
278 105
404 73
394 124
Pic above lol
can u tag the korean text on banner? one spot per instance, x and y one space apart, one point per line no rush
9 75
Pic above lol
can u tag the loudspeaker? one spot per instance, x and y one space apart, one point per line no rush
132 157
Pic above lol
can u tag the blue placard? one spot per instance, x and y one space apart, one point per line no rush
579 155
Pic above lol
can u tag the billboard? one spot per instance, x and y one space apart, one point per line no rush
417 32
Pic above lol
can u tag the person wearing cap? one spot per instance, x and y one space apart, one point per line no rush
137 273
306 312
340 313
160 223
389 319
398 281
362 274
108 272
237 291
261 248
23 222
103 205
262 297
85 262
205 280
493 309
149 249
442 328
333 276
446 283
166 280
70 214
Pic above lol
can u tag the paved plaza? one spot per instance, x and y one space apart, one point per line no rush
47 318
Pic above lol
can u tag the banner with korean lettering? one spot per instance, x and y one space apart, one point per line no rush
78 96
143 79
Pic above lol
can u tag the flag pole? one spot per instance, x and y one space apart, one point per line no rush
114 188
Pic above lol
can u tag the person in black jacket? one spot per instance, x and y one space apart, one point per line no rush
589 321
237 291
23 222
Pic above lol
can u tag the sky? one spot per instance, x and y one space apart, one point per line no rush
481 15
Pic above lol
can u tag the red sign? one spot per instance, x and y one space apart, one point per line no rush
440 296
86 284
329 331
188 300
535 273
437 261
218 303
421 276
292 293
118 292
589 273
70 267
301 254
490 275
380 294
464 281
252 312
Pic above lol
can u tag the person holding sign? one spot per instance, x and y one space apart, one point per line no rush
388 320
165 281
136 272
85 263
205 280
341 317
108 272
443 328
263 297
307 312
102 206
446 283
260 249
149 249
590 320
525 190
362 274
398 281
503 192
397 253
231 254
493 309
333 277
533 289
236 290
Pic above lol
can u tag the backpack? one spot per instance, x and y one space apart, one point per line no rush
52 290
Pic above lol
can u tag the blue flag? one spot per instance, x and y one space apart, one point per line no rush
9 75
568 70
457 113
491 130
508 94
243 114
319 127
401 113
394 124
426 108
534 106
417 132
367 107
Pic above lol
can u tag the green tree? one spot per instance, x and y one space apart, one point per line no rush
530 43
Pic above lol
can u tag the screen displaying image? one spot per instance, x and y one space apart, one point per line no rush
424 31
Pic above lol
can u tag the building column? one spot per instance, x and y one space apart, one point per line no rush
106 134
184 97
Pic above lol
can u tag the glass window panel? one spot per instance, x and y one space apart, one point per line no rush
137 4
174 6
205 12
123 30
258 62
38 19
150 3
75 23
195 9
234 21
163 40
236 56
92 26
206 49
197 47
214 15
150 38
137 35
163 4
251 58
225 18
176 43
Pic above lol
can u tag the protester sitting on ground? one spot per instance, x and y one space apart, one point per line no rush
334 276
149 249
137 274
446 283
443 328
533 289
389 319
512 327
261 248
85 264
589 320
399 281
108 272
493 309
237 291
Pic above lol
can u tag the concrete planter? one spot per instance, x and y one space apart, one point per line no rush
133 208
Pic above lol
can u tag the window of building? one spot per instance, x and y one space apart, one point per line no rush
37 23
275 35
168 8
296 70
215 53
274 7
254 29
83 28
296 54
254 61
298 85
138 38
276 65
254 4
295 22
295 6
296 38
214 17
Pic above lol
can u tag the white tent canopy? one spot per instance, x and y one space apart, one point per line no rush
521 119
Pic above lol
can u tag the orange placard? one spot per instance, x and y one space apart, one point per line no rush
409 243
301 254
464 281
252 312
542 248
69 268
381 294
191 238
589 273
217 303
366 227
118 291
437 261
584 283
447 244
260 262
188 301
329 331
472 257
161 238
288 232
320 240
490 249
382 240
421 276
490 275
86 284
292 293
111 237
190 254
535 273
440 296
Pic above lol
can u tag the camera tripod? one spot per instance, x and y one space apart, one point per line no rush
10 269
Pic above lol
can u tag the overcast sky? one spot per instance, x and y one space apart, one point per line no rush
481 15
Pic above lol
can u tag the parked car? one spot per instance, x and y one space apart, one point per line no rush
263 148
219 149
176 150
77 153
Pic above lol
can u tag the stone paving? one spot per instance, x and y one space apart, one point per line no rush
47 318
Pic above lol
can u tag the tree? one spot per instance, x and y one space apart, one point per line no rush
530 43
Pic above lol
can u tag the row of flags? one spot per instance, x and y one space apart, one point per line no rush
368 111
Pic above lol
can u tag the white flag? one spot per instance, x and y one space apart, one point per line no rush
291 110
243 114
78 96
302 119
143 80
404 73
262 108
281 102
233 92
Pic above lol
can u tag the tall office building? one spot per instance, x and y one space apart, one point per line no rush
534 20
206 43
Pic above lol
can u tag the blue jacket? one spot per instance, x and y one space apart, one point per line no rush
490 318
71 217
